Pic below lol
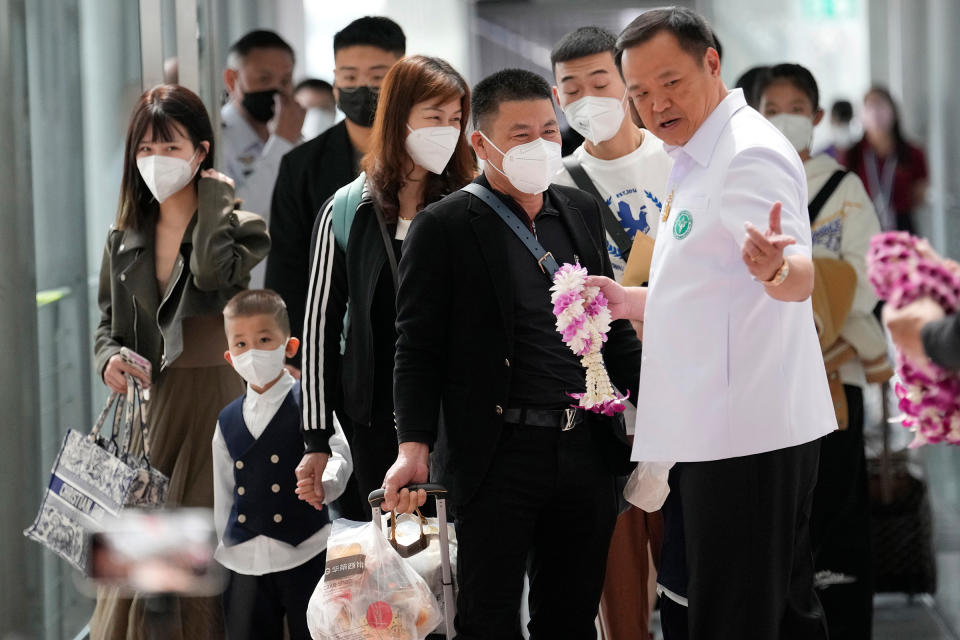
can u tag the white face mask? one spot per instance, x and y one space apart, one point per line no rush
260 367
596 119
165 175
798 129
317 121
530 167
431 147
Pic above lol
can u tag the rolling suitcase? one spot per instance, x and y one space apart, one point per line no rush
446 587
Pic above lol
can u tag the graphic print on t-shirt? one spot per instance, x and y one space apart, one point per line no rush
632 220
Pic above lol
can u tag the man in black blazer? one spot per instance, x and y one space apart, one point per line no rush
310 174
478 352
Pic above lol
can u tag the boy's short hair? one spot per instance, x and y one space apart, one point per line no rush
259 302
842 111
259 39
373 31
797 75
583 42
504 86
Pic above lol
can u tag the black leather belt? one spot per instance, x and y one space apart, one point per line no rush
564 419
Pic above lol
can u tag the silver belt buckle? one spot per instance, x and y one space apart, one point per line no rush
569 414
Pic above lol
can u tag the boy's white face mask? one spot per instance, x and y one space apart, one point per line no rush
260 367
596 119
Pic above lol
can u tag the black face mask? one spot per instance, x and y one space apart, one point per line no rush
259 104
359 105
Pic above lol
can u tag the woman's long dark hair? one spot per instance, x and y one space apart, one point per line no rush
161 110
413 80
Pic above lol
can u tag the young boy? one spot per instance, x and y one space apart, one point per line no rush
272 543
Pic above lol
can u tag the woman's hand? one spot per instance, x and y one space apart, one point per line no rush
213 174
114 375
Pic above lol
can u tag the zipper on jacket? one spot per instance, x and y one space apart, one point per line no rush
136 337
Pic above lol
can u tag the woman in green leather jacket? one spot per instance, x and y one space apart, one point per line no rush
178 251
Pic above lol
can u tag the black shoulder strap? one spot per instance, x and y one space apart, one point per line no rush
610 223
825 192
546 261
387 246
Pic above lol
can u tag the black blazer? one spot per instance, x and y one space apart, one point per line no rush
308 176
341 280
455 324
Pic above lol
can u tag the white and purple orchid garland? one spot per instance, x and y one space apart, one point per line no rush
583 320
901 273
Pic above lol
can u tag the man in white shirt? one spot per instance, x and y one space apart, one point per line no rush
261 121
627 168
733 385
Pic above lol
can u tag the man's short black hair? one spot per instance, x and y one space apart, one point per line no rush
797 75
374 31
259 39
750 81
693 32
504 86
314 84
583 42
841 111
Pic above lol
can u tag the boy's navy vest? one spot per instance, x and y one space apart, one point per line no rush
264 501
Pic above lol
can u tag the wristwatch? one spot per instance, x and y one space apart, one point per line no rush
779 276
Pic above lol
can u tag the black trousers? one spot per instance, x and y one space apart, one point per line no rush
840 529
254 607
737 545
547 507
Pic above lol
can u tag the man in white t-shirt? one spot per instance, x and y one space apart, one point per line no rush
625 165
732 385
627 168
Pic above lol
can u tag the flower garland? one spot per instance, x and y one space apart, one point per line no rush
583 320
902 271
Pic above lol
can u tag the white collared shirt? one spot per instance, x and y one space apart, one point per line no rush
253 164
727 370
261 554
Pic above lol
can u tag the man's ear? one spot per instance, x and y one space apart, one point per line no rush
712 59
478 144
230 79
818 117
556 97
226 356
292 345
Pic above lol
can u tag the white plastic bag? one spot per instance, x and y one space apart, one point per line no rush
368 592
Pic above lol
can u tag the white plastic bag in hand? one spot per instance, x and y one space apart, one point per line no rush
368 592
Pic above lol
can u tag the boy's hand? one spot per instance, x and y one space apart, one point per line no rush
310 478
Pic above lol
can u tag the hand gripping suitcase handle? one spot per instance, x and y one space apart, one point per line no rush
439 491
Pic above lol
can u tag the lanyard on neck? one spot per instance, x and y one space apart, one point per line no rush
882 187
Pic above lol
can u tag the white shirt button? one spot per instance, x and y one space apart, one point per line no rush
275 488
277 517
123 277
274 458
239 464
241 491
241 518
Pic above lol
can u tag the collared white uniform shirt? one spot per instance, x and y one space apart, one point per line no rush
253 164
262 554
727 370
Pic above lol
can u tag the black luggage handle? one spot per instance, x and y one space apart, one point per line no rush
376 497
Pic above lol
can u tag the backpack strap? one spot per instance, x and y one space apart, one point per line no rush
610 222
345 202
825 192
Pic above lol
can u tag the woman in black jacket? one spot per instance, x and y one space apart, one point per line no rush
418 155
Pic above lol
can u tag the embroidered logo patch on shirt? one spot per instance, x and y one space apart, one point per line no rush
683 225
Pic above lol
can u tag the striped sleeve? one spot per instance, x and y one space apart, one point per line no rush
326 305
